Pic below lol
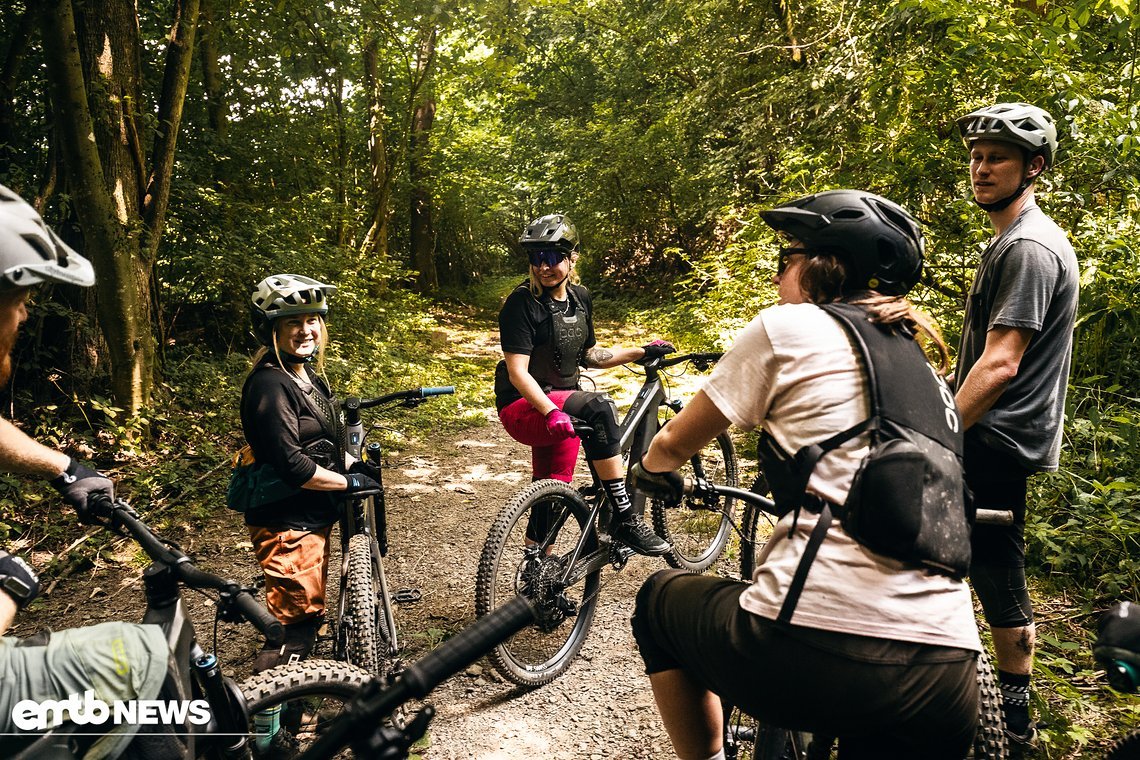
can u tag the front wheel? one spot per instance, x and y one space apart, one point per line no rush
363 615
291 705
699 529
533 565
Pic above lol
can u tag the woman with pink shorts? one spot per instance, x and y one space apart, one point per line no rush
546 330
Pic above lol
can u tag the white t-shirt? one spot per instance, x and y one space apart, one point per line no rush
794 371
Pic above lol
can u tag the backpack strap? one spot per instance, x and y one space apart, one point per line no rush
796 588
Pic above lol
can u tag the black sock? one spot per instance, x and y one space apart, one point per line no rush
1015 701
618 496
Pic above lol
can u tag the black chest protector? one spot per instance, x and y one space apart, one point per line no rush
327 450
554 364
908 500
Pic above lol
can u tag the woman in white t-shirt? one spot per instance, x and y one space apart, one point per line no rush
879 653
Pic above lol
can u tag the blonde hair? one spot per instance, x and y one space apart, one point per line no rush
320 362
821 279
536 288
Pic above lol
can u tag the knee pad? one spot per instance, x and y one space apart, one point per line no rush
1004 595
597 410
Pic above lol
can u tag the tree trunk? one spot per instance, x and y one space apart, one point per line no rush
103 175
13 56
96 85
421 231
216 104
787 24
374 247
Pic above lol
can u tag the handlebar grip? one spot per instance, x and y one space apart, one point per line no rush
439 390
468 645
261 618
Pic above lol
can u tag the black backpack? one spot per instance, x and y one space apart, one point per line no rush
908 500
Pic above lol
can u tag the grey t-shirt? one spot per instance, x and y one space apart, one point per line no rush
1027 278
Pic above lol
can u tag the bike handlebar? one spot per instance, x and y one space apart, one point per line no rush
419 679
122 517
412 394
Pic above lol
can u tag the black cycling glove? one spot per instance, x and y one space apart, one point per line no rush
667 486
78 484
655 350
18 579
367 469
358 482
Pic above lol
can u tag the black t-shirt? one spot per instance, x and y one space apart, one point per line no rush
278 422
526 326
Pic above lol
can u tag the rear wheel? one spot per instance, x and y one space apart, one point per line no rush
304 699
990 742
699 529
509 566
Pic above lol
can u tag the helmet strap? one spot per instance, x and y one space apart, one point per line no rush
556 286
1004 203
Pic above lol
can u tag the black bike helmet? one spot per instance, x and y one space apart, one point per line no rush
281 295
1019 124
1117 646
551 231
881 243
30 253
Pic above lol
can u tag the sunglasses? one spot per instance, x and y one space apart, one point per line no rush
785 259
552 257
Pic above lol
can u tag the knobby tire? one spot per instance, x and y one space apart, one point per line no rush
990 742
541 652
698 533
312 693
363 615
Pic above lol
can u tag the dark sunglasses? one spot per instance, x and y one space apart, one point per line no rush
552 257
786 255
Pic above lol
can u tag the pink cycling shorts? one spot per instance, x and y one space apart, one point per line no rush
549 458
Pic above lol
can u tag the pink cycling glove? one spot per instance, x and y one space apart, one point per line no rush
558 424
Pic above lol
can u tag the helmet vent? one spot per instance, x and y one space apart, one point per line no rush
37 244
848 213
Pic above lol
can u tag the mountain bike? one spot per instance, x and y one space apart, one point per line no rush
561 573
748 739
365 628
307 696
367 726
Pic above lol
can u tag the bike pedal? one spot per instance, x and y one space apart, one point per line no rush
407 595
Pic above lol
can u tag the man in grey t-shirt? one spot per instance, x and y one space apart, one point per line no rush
1013 370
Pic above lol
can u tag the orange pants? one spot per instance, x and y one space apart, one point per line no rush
296 567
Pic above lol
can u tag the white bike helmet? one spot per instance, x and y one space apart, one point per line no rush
30 253
551 231
282 295
1017 123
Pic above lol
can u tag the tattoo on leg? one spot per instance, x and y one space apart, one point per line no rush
596 357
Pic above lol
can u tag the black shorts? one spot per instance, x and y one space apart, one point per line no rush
884 699
998 481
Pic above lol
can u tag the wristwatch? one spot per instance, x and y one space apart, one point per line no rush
18 589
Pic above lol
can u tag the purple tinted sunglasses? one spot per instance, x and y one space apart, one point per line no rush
552 257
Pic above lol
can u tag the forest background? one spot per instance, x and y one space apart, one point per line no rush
397 147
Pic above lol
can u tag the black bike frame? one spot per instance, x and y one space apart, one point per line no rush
636 431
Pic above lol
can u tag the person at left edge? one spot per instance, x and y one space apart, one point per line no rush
118 661
292 422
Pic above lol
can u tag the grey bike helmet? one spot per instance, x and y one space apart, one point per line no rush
282 295
30 253
881 243
1017 123
552 230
